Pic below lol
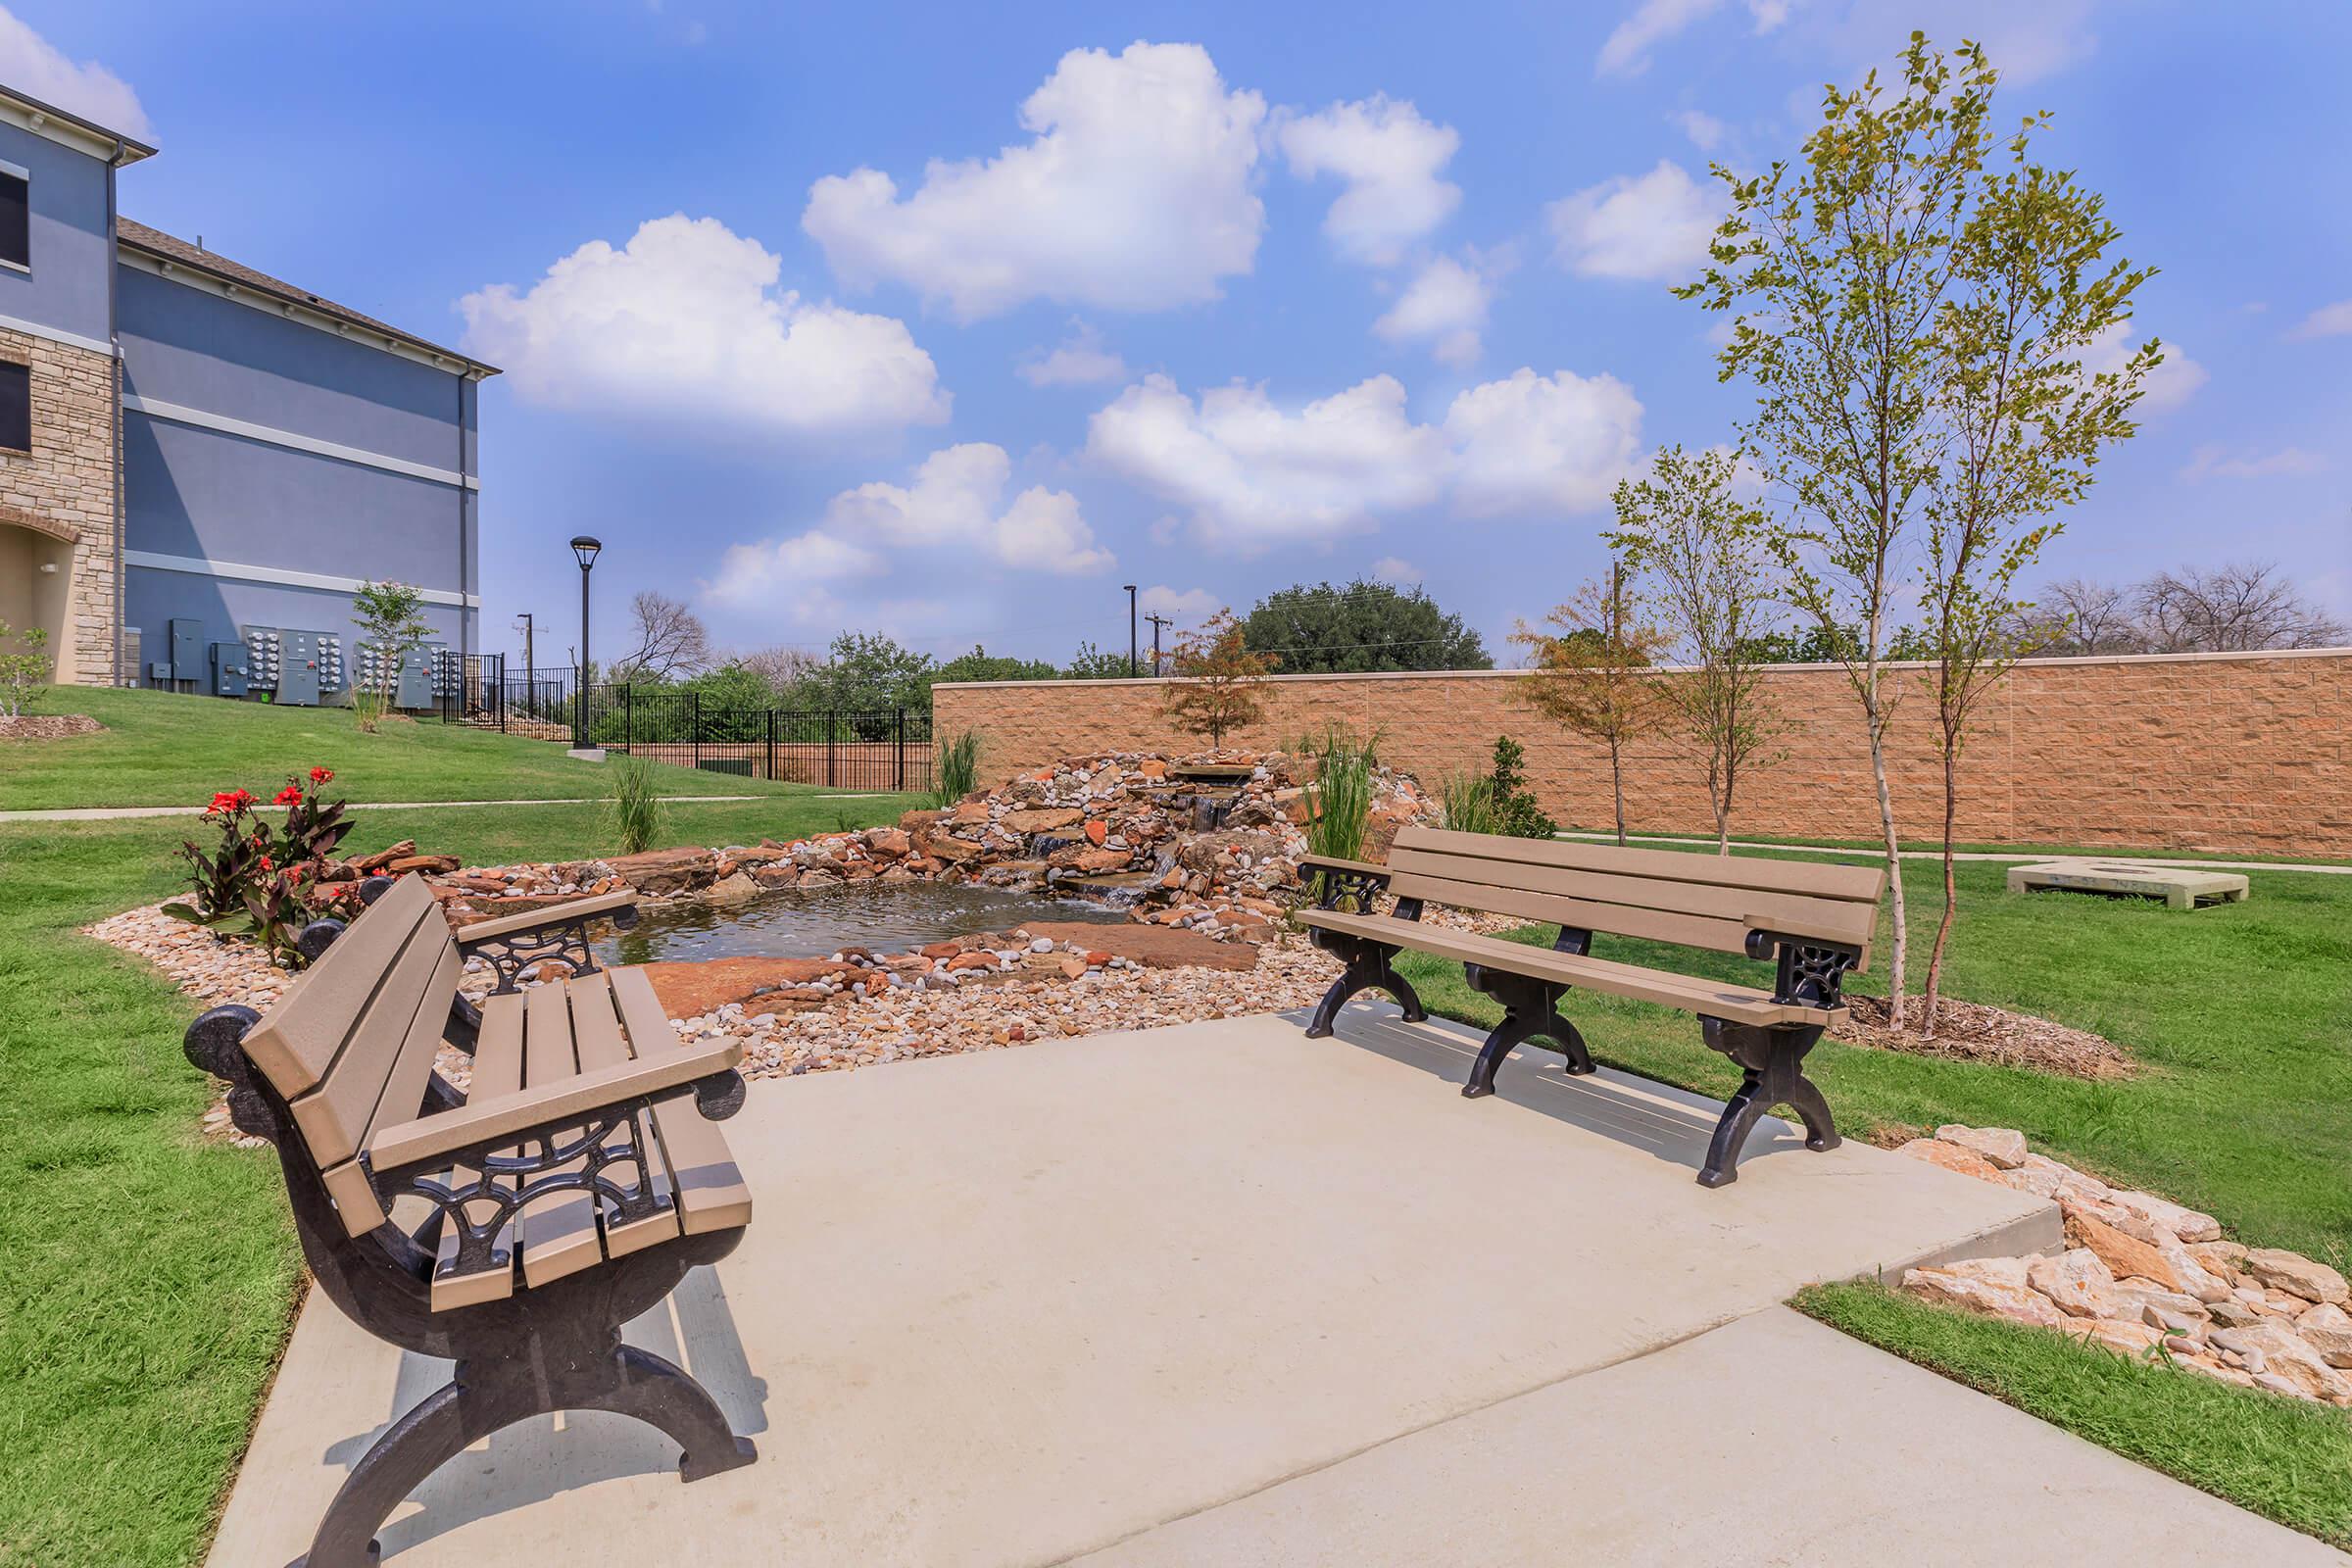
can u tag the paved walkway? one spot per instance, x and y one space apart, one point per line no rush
106 813
1219 1293
2005 856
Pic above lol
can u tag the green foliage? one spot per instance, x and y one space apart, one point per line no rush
259 881
1362 626
1220 682
1090 663
24 671
981 664
1513 804
633 803
1469 802
1340 801
958 768
865 672
1817 644
390 615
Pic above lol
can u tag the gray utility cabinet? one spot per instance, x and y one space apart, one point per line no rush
233 669
189 657
298 667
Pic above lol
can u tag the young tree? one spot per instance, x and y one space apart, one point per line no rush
1363 626
780 668
671 641
1592 674
1839 269
2030 294
1220 684
1701 552
21 671
390 616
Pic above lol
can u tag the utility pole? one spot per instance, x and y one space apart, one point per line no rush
1132 644
1157 622
529 663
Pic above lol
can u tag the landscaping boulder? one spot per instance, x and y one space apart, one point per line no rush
2296 1274
666 871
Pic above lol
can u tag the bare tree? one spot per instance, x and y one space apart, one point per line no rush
782 667
671 640
2229 609
2078 616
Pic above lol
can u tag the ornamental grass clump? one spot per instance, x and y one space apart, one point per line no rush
1469 802
633 806
1340 801
958 769
264 882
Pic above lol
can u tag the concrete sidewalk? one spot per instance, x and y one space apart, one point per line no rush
1111 1294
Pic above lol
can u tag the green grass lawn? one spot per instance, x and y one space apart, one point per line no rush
2283 1458
146 1277
160 748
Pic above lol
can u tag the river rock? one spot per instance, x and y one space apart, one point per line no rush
666 871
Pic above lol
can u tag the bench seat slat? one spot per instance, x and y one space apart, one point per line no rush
596 1033
1853 884
295 1042
710 1190
556 1233
1840 920
497 1070
1740 1004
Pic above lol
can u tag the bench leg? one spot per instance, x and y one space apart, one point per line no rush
463 1411
1530 1008
1368 969
1772 1068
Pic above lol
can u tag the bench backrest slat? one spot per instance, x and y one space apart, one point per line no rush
1691 900
297 1041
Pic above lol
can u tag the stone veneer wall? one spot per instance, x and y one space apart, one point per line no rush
69 482
2245 752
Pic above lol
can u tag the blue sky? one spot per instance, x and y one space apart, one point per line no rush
950 320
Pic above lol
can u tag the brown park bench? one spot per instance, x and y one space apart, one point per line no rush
1813 921
512 1229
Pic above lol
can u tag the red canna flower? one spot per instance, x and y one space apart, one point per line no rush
319 775
266 863
291 794
230 803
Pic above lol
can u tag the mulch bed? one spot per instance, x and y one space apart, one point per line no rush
1971 1031
47 726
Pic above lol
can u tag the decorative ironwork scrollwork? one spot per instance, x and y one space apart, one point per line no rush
564 939
1812 976
1360 886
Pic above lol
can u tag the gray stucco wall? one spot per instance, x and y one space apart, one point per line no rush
197 492
71 251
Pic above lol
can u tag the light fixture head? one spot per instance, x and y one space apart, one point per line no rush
585 548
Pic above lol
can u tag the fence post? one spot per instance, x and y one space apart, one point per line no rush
771 775
629 720
832 746
899 770
693 728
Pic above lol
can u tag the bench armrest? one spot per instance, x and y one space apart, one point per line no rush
562 1105
1764 931
513 943
1359 880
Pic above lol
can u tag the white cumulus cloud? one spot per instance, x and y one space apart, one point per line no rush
1133 193
1396 572
1653 225
1626 50
2329 320
686 320
1445 305
2213 462
1078 359
1393 164
34 66
1190 604
1704 129
950 506
1251 474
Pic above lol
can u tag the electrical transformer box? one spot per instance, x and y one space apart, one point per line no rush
231 670
187 650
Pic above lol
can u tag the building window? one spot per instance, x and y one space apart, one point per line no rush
16 241
16 407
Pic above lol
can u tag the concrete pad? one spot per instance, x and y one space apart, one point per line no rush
2180 887
1771 1440
1015 1306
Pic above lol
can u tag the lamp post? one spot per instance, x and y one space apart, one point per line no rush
1131 637
583 550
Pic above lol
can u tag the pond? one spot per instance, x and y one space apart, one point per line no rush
818 922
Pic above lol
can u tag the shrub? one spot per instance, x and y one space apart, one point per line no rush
1469 802
1516 812
261 882
1340 801
24 671
633 804
958 768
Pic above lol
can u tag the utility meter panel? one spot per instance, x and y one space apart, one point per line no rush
188 647
262 647
231 670
299 668
413 683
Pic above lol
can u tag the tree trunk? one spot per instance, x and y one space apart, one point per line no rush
1617 785
1895 861
1943 927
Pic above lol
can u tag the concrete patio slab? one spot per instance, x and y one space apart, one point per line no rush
1771 1440
1015 1307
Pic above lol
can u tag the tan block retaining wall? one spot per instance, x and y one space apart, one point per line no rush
2217 751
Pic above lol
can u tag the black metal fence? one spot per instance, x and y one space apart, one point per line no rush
885 750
